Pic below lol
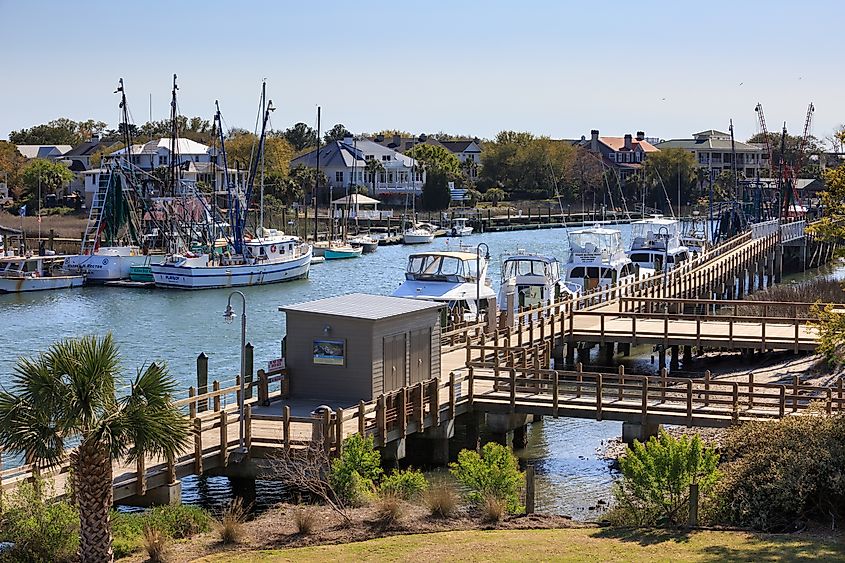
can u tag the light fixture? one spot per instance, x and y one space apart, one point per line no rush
229 314
327 330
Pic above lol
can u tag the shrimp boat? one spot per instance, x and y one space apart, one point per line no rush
597 258
20 274
535 279
656 245
449 277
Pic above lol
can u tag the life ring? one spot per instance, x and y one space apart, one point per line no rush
273 248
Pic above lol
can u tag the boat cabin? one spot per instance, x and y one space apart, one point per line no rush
596 258
656 244
535 279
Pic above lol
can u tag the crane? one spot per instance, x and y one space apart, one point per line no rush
792 171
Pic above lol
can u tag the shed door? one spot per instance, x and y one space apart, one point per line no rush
420 355
394 362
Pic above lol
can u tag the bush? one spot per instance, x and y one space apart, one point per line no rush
495 472
389 510
155 545
493 508
41 531
304 519
441 499
354 474
230 527
831 326
656 477
780 474
407 485
173 521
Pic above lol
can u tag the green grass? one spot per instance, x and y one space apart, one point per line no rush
579 544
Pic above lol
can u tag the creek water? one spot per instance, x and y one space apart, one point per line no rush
175 326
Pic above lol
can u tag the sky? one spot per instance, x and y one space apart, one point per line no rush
556 68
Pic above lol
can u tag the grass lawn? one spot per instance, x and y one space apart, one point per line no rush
575 544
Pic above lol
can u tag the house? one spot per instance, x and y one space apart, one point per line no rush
51 152
464 149
713 151
345 165
80 159
624 155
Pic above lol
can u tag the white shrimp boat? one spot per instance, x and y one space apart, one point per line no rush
597 258
656 245
20 274
271 259
535 279
108 263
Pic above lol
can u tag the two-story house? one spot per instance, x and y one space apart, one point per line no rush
345 164
624 155
713 151
464 149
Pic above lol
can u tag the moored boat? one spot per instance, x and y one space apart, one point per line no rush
20 274
535 279
342 251
460 227
597 258
367 243
418 234
656 245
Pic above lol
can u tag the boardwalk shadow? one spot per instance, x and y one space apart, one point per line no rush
778 548
644 536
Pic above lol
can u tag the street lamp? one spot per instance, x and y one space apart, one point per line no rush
478 276
229 316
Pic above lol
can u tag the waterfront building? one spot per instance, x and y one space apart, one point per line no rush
345 164
624 155
79 158
464 149
713 151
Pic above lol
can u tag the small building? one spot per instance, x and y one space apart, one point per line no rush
359 206
357 346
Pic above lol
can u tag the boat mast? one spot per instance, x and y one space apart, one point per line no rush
174 133
261 205
317 177
240 219
218 120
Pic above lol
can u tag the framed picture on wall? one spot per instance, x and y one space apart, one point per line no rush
330 352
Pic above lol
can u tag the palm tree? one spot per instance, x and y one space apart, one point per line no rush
372 168
67 396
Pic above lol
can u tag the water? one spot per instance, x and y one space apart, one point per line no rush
175 326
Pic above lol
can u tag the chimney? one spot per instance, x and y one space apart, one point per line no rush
397 140
628 142
379 138
640 135
348 140
594 140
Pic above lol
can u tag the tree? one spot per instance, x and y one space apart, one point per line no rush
373 168
435 192
67 395
831 227
305 179
300 136
278 153
495 195
44 176
790 152
104 150
60 131
194 128
664 169
11 166
435 157
336 133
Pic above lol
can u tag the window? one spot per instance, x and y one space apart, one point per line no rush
368 157
381 177
162 160
385 157
338 177
390 177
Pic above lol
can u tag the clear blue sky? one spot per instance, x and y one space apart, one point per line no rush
472 67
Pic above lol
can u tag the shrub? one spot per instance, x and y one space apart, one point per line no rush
41 530
173 521
831 327
495 472
155 545
407 485
230 527
656 477
354 473
389 510
780 474
441 499
304 519
493 508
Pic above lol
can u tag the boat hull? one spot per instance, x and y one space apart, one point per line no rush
461 232
335 254
417 239
27 284
103 268
209 277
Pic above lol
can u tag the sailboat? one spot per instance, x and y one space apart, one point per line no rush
268 257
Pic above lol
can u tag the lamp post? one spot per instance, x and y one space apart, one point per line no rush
229 316
663 233
478 275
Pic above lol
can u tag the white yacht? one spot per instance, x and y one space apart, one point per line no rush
274 257
535 279
656 245
449 277
460 227
19 274
597 258
418 234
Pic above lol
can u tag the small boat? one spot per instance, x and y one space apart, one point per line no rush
597 258
452 278
460 227
535 279
366 242
20 274
342 251
418 234
656 245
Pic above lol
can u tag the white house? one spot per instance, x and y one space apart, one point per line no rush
713 151
156 153
463 149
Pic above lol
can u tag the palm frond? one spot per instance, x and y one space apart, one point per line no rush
30 430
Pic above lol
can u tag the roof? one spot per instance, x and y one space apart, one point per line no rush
710 143
347 153
458 146
363 306
89 147
183 146
403 144
356 199
42 151
454 254
618 144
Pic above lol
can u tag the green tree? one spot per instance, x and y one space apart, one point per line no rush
373 168
435 192
300 136
68 395
336 133
49 175
305 179
435 157
791 144
242 147
194 128
60 131
656 476
662 172
11 168
495 195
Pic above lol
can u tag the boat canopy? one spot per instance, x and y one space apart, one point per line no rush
443 266
652 233
529 266
595 241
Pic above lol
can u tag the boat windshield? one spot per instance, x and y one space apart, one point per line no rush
440 268
593 242
648 230
524 267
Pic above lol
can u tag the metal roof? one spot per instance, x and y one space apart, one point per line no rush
363 306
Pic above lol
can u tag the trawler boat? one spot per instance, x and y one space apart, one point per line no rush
535 279
274 258
452 278
597 258
460 227
20 274
418 234
656 245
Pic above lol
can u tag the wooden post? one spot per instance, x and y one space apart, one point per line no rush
140 476
224 438
644 409
707 388
198 446
795 383
263 388
362 418
579 379
238 392
471 385
202 381
529 489
248 365
598 395
192 404
434 400
751 390
782 400
420 406
555 393
735 400
513 389
621 382
326 423
248 427
338 430
286 428
402 410
663 384
689 402
381 420
692 522
452 395
215 386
